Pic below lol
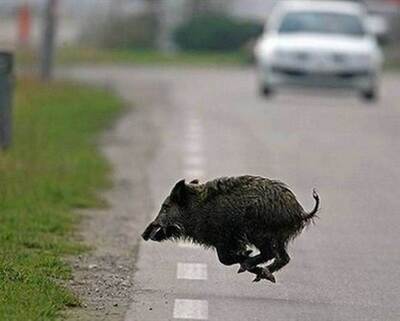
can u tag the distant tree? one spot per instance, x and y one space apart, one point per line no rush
202 7
215 32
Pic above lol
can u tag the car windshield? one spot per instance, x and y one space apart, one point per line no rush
322 22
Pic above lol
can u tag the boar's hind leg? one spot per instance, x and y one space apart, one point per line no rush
262 273
281 259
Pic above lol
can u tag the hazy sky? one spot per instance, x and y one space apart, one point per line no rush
248 7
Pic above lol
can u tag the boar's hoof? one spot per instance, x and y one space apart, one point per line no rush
265 274
245 266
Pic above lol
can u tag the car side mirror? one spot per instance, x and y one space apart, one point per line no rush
378 27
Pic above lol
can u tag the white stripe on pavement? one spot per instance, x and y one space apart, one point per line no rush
193 121
193 161
193 169
191 271
191 309
194 131
194 147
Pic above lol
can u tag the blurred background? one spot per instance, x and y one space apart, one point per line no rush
142 29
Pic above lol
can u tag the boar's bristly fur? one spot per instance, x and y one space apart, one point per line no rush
232 213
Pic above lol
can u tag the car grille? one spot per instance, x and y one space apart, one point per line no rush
295 72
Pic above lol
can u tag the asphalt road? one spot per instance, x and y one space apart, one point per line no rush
212 122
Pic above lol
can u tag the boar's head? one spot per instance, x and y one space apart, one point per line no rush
169 222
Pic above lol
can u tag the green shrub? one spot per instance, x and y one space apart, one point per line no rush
215 33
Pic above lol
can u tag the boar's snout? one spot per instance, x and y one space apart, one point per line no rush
158 233
153 232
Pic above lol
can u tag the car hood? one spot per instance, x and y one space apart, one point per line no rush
313 42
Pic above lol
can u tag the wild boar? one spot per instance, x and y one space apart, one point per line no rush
232 214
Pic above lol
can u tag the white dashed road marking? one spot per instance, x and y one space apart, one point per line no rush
194 131
194 147
191 271
193 161
193 169
191 309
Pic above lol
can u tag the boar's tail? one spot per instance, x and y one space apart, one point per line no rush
312 214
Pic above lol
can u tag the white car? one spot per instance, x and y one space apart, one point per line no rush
319 43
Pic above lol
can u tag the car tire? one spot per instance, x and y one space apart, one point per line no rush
369 95
266 91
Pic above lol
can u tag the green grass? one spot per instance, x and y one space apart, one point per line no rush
72 55
52 168
392 58
392 66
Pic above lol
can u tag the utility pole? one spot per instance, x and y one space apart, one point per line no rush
168 13
48 40
155 8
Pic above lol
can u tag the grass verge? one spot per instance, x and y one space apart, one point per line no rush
78 55
392 58
53 168
72 55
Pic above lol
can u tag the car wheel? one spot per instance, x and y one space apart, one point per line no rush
369 95
266 91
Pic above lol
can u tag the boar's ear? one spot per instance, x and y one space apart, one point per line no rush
178 194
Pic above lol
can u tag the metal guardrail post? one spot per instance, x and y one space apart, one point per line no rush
6 97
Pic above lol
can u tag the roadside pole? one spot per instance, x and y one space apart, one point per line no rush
6 95
24 25
48 40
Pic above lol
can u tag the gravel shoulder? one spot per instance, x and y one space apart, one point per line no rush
103 277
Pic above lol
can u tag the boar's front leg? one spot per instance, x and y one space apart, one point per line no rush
250 264
229 255
266 254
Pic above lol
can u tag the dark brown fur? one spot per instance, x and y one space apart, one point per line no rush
232 213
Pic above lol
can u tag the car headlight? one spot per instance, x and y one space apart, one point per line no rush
283 56
280 54
362 59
